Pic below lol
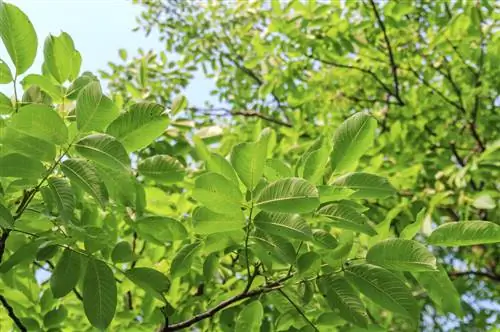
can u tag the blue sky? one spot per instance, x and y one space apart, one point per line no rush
99 28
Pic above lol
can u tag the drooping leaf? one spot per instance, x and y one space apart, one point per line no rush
342 296
290 195
140 126
99 294
5 74
250 317
384 288
352 139
282 224
346 217
162 229
206 221
40 121
55 317
217 193
66 273
308 264
441 290
325 240
24 254
179 104
465 233
412 229
6 106
150 280
181 264
122 253
401 255
274 245
18 36
218 164
18 166
162 169
63 195
84 175
248 159
314 161
105 151
45 84
94 111
6 218
365 185
78 84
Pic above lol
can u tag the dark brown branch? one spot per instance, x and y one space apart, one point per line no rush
352 67
12 314
491 276
225 111
224 304
392 62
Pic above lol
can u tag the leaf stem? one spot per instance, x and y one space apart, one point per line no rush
298 309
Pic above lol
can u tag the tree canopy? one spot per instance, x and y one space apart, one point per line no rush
344 176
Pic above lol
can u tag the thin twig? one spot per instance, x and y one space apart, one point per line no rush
298 310
12 314
489 275
224 111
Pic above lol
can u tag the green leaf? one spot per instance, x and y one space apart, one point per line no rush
122 253
24 254
342 296
248 159
401 255
308 264
63 195
276 169
45 84
80 83
150 280
18 36
59 55
314 162
6 106
465 233
105 151
384 288
331 193
412 229
6 219
140 126
285 225
218 164
181 264
84 175
94 111
40 121
250 317
179 104
66 273
274 245
162 169
206 221
5 74
365 185
120 185
162 229
55 317
441 290
352 139
99 294
46 252
347 217
217 193
324 239
30 146
18 166
290 195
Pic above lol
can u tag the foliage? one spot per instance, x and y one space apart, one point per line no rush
309 208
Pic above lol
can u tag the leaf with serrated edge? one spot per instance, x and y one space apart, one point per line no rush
465 233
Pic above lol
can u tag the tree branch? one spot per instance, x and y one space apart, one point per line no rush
488 275
392 62
250 114
12 314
